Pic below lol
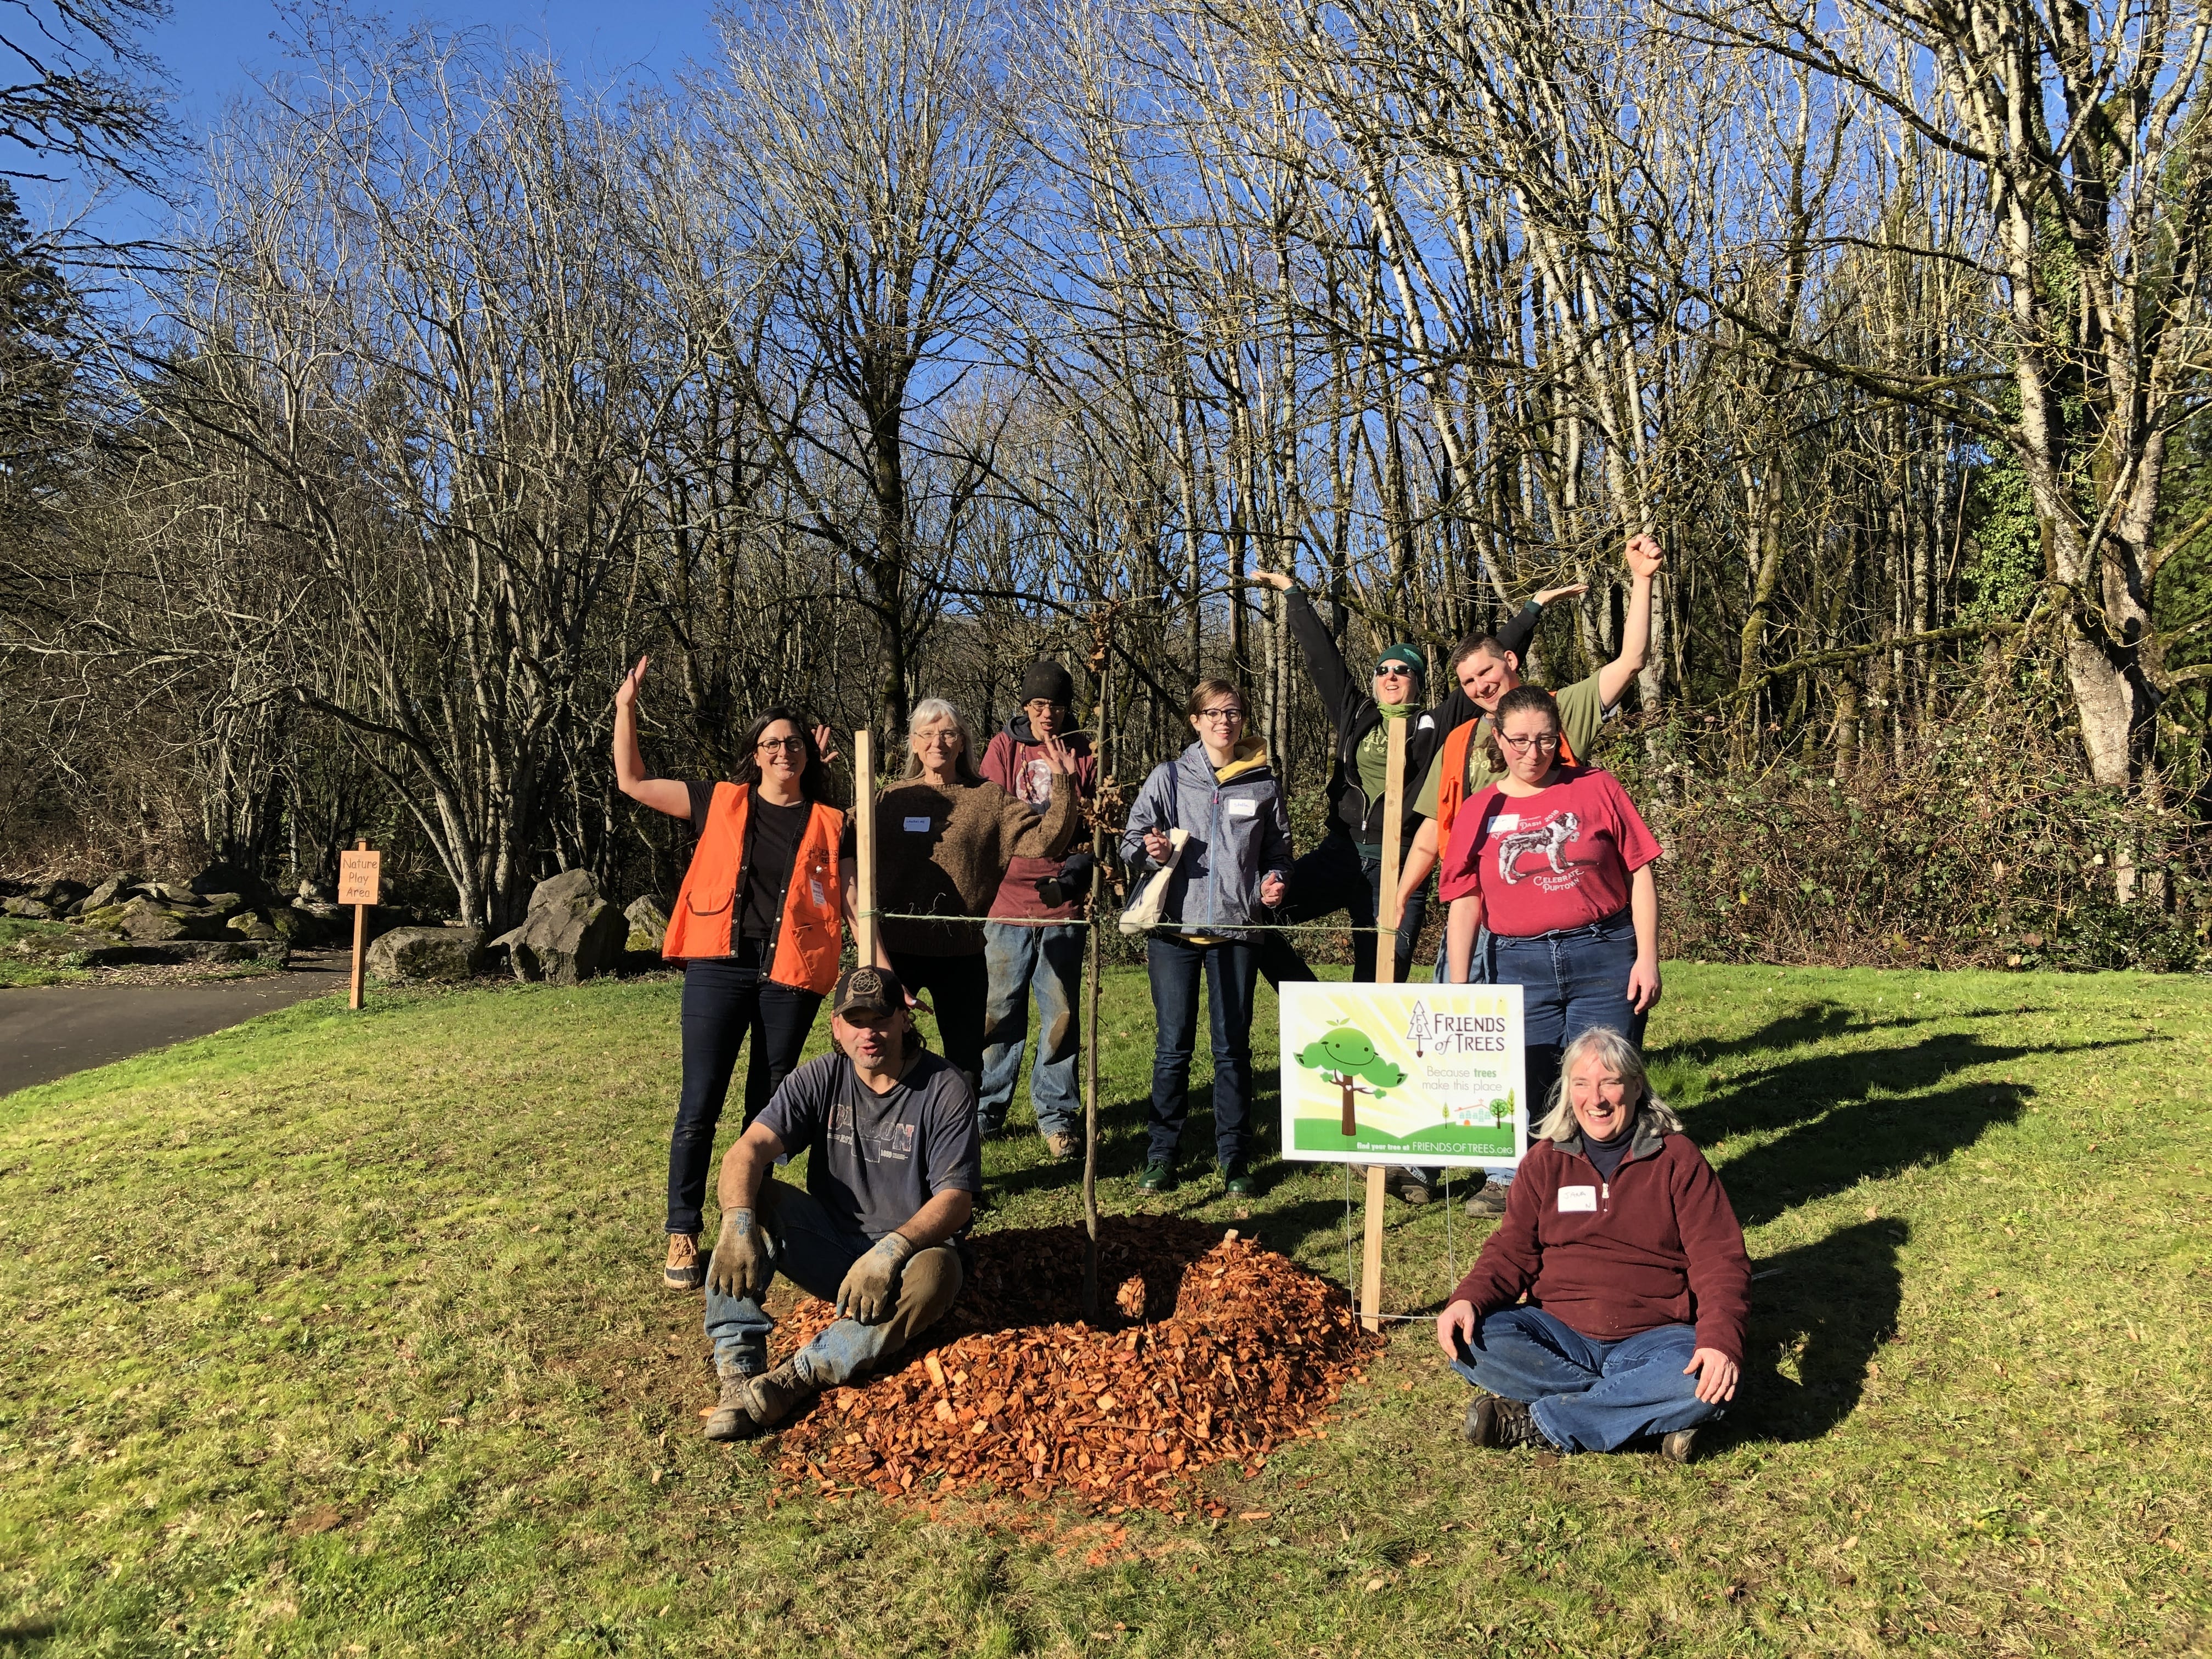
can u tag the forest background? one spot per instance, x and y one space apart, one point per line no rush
905 341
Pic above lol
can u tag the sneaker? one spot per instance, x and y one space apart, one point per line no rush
1413 1188
1492 1420
1679 1447
1237 1180
685 1270
1488 1203
1063 1148
1156 1178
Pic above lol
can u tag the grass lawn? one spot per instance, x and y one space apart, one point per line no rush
343 1333
21 961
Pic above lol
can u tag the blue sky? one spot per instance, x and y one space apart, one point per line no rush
213 49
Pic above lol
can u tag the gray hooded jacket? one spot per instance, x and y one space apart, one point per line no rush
1240 834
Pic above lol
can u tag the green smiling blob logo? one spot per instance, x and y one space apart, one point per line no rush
1345 1056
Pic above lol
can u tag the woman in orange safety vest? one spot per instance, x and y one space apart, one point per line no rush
757 925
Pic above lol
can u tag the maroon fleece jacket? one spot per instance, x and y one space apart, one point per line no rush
1658 1245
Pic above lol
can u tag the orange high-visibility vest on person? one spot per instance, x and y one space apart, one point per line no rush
808 939
1451 783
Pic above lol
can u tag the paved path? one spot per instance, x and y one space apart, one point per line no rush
48 1031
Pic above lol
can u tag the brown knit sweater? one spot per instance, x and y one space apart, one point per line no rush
943 852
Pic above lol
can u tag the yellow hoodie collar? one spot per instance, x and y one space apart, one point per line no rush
1250 754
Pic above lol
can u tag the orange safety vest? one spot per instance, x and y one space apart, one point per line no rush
1451 783
809 937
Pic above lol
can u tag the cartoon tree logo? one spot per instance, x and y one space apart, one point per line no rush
1346 1057
1417 1029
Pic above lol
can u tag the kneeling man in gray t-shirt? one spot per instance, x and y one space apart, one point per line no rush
894 1168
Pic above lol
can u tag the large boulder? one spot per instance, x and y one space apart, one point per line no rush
114 890
570 933
441 956
28 909
152 922
648 924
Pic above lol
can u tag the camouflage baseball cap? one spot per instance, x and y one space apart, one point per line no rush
865 990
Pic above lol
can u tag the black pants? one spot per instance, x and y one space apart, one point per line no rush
724 1000
1339 875
959 989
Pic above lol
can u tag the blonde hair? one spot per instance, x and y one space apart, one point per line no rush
1618 1055
935 711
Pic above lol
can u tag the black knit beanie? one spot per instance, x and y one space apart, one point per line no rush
1049 681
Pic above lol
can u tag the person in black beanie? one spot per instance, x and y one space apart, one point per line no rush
1034 939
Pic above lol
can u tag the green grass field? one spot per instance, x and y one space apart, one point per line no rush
343 1335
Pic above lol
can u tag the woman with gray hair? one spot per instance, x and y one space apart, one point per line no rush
945 835
1619 1237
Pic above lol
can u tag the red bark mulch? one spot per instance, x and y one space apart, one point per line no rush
1209 1350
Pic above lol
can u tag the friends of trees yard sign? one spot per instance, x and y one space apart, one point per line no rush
1426 1074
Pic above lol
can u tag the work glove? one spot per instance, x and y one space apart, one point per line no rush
741 1266
1072 884
870 1285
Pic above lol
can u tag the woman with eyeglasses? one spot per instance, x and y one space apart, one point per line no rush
1555 862
1222 793
757 925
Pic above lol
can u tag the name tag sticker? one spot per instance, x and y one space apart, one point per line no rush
1503 823
1243 807
917 826
1577 1197
821 898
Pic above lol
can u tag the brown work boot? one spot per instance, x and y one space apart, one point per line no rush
1063 1147
684 1271
729 1420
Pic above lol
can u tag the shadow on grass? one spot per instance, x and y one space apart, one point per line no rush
1832 1304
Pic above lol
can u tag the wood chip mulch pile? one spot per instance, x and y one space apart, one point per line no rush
1207 1349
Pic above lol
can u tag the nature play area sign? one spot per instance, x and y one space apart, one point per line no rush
1430 1074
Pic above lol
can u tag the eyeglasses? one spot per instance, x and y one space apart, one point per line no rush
789 746
1548 742
1221 716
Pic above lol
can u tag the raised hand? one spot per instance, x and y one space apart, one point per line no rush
1545 596
1646 558
1281 580
825 745
1057 756
626 693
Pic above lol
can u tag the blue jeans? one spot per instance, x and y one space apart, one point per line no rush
1588 1395
1051 960
1339 874
1175 968
1570 982
810 1249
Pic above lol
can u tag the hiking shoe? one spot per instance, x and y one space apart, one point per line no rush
751 1404
1063 1148
1679 1447
1494 1420
685 1270
1413 1188
1488 1203
1237 1180
1156 1178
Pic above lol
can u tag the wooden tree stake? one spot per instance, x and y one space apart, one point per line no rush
1386 973
864 844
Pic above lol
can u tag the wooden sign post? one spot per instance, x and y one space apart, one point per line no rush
864 844
360 877
1386 973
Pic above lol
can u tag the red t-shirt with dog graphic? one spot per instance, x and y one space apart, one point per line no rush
1559 858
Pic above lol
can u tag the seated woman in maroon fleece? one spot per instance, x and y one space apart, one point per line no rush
1618 1235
